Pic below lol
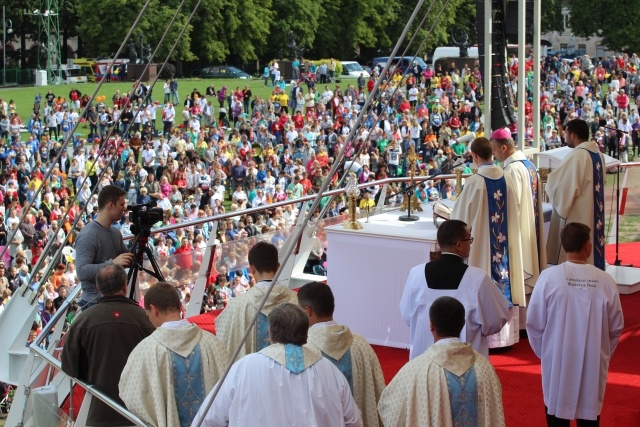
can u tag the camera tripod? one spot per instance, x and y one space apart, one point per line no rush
138 250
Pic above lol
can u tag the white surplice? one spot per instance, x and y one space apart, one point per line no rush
515 169
147 381
570 191
574 322
261 391
472 207
334 340
486 309
234 319
419 395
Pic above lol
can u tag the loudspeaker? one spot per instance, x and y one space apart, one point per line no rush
502 112
511 27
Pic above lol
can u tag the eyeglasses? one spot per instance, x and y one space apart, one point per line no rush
470 240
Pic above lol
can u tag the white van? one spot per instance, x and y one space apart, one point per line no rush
71 74
448 54
352 70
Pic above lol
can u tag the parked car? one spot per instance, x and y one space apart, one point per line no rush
223 72
351 69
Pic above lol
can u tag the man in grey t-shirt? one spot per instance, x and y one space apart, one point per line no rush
100 244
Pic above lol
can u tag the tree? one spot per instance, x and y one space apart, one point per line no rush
589 18
103 25
302 17
455 13
345 26
226 27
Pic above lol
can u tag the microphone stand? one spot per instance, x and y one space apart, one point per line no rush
410 189
618 261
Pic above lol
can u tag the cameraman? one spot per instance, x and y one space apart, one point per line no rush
100 244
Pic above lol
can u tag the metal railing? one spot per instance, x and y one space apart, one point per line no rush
17 76
48 358
288 202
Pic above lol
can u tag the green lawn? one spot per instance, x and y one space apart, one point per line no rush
24 96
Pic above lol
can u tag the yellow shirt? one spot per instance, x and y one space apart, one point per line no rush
364 203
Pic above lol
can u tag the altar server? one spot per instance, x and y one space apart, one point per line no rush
169 374
488 204
486 308
234 319
449 385
285 384
349 352
574 322
576 191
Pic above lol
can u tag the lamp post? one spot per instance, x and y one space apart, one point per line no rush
5 30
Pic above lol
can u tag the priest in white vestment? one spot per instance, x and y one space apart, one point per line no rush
524 177
169 374
576 191
449 385
489 205
285 384
349 352
486 309
574 322
236 317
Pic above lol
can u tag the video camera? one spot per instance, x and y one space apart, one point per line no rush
143 217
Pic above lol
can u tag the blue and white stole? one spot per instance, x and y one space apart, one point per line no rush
189 391
294 358
598 209
344 365
262 332
463 397
499 234
533 179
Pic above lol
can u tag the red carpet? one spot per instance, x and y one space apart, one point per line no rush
628 253
519 372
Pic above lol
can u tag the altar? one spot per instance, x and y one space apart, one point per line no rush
368 269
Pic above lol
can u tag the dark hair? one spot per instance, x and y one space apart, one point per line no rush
111 279
288 324
164 297
447 317
109 194
451 232
318 297
481 147
574 236
264 257
580 128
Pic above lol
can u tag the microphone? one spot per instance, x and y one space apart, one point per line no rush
616 129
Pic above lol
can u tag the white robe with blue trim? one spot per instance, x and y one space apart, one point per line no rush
268 389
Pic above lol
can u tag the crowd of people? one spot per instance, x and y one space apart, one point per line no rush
224 150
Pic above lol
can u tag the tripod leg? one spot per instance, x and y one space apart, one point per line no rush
154 264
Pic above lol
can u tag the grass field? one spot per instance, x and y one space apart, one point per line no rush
24 96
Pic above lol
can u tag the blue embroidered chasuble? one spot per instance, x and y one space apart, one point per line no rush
189 391
499 234
463 397
533 179
598 209
344 365
262 332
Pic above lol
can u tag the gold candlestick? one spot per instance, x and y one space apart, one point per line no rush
352 194
458 184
